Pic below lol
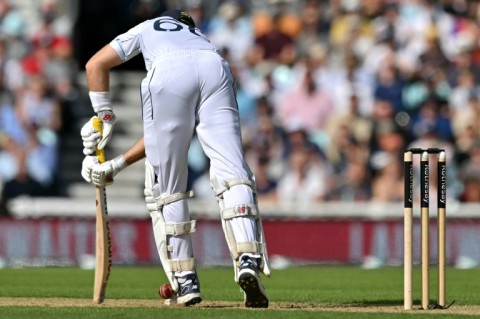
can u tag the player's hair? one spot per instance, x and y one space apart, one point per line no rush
179 15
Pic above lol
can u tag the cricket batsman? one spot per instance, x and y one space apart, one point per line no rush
188 88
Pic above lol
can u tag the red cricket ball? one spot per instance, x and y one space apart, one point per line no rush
165 291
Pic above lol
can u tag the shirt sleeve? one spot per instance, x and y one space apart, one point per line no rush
127 45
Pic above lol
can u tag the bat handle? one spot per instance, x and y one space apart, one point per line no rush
98 125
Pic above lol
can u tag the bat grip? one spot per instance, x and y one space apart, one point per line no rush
98 125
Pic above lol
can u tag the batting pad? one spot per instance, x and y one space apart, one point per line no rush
163 231
257 247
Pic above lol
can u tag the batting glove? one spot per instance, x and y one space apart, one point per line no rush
87 165
102 174
108 119
90 137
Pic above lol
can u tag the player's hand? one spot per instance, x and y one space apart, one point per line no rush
91 137
102 175
87 165
108 119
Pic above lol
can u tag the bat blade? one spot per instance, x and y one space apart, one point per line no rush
103 256
103 250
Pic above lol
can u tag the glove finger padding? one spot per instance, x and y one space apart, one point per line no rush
90 138
87 128
102 174
107 135
90 144
108 118
87 165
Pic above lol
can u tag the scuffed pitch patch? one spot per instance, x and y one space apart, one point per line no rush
152 303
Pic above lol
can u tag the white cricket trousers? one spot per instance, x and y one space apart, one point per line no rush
187 91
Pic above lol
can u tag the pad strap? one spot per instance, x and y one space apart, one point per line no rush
177 229
157 203
236 248
234 182
249 247
182 264
240 211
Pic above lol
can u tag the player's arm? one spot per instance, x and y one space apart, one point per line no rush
102 174
135 153
97 72
98 68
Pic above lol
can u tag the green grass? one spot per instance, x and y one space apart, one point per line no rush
301 292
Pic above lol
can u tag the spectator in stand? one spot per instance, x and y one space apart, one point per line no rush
266 184
22 159
9 151
22 138
51 54
352 78
465 139
431 117
267 140
346 129
306 180
14 46
51 45
11 76
352 30
470 173
387 184
390 86
387 138
12 23
52 20
299 137
12 137
246 97
462 92
466 128
307 104
427 136
289 22
457 28
38 108
197 11
21 184
413 26
274 47
432 57
353 183
60 72
471 188
39 114
461 62
423 86
231 29
311 28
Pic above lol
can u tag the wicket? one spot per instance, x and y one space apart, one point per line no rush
424 217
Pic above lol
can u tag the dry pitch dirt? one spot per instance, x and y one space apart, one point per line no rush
127 303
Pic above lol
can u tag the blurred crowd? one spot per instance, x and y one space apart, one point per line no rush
330 93
37 85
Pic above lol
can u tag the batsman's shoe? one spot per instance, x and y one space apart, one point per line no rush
189 291
249 281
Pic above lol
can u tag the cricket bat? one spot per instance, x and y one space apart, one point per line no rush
103 254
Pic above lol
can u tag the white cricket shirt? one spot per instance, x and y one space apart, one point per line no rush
156 37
